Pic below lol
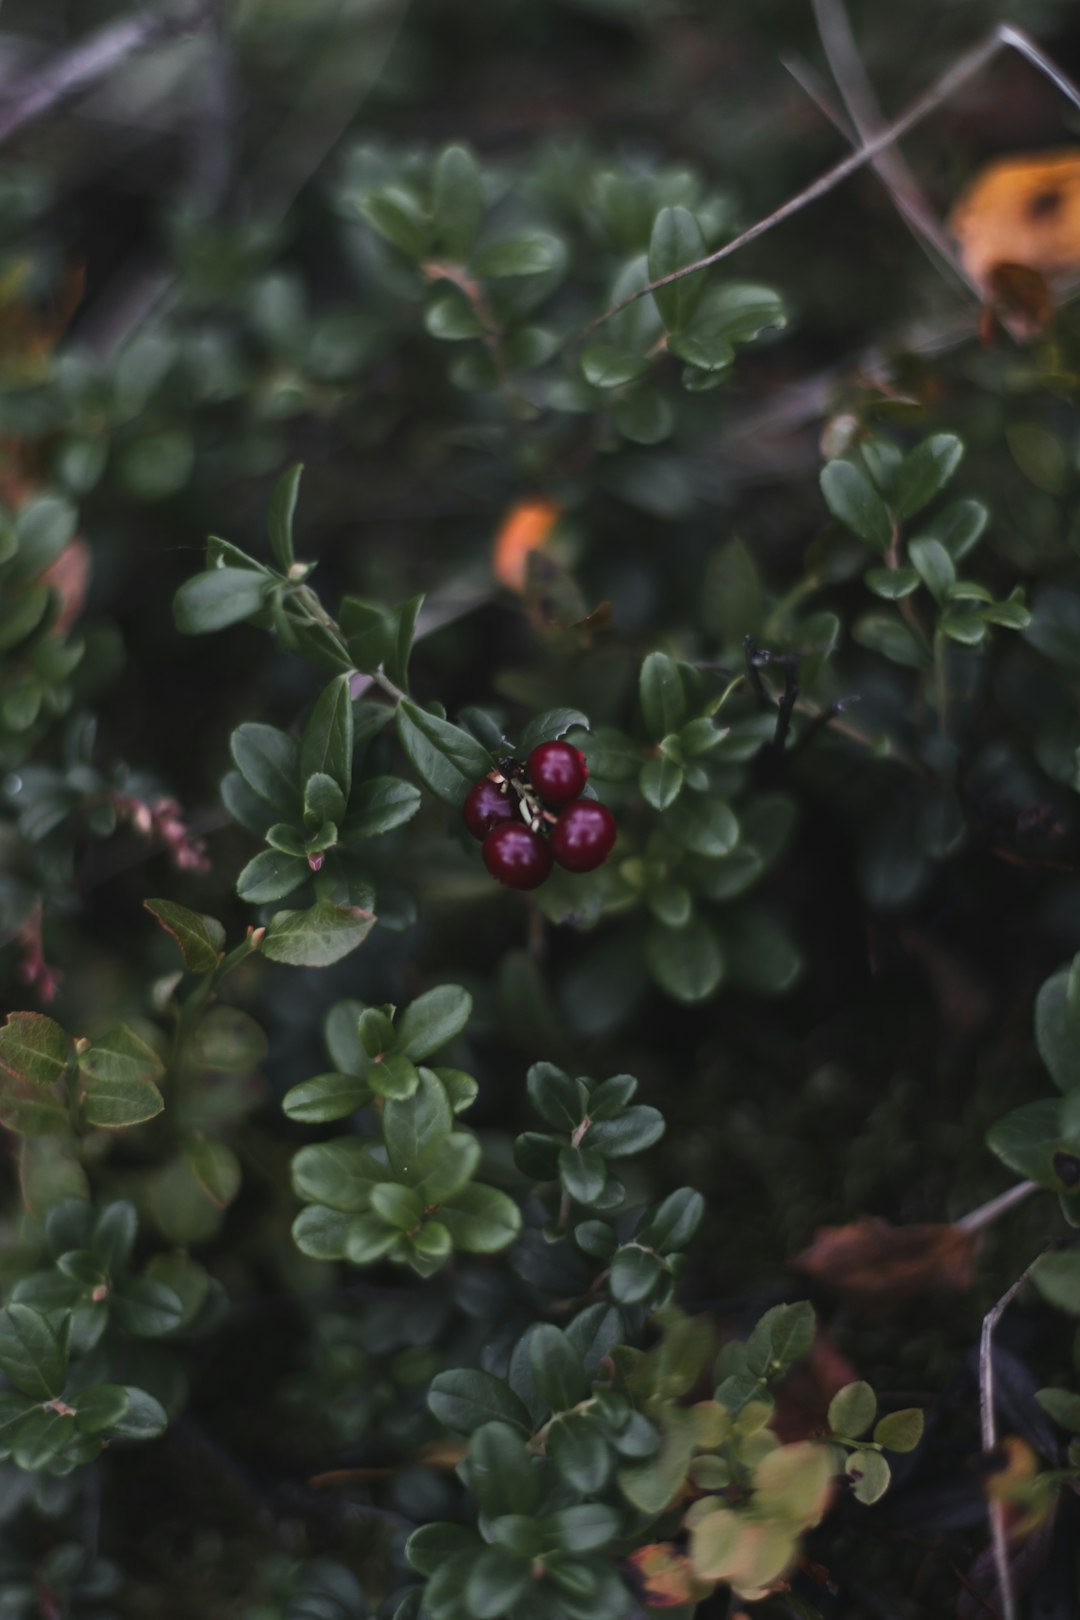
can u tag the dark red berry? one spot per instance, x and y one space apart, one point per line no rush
557 771
584 836
487 807
516 856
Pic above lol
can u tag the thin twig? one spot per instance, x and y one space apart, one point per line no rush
996 1507
988 1213
946 85
82 67
857 94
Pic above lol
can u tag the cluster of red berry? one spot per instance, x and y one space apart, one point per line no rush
514 807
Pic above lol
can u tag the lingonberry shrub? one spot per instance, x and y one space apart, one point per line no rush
445 1034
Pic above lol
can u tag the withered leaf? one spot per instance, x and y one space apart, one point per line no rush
883 1265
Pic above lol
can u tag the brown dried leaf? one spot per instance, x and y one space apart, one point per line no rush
883 1265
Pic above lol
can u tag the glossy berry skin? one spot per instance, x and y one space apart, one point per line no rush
584 836
516 856
557 771
486 808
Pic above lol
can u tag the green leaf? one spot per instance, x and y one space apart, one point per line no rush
118 1075
201 939
934 567
1057 1277
606 365
502 1473
634 1274
924 472
583 1528
280 516
1028 1139
449 760
34 1049
686 962
632 1131
397 216
443 1168
317 937
663 699
321 1233
582 1173
397 1205
852 1410
1057 1026
870 1475
146 1308
549 727
703 825
218 598
481 1220
676 241
457 201
227 1039
652 1485
959 526
326 1097
327 744
497 1583
144 1418
853 501
32 1353
370 631
271 875
672 1224
1062 1405
42 1438
378 806
661 781
430 1547
530 253
411 1126
893 583
269 762
113 1237
900 1431
432 1020
783 1335
560 1101
733 603
216 1169
580 1453
463 1398
558 1371
100 1407
340 1174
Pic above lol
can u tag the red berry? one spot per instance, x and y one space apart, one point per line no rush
557 771
584 836
516 856
487 807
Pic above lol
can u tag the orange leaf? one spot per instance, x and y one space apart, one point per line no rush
1022 211
524 529
884 1265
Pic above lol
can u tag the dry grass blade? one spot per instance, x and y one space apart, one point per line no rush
989 1440
78 69
966 68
